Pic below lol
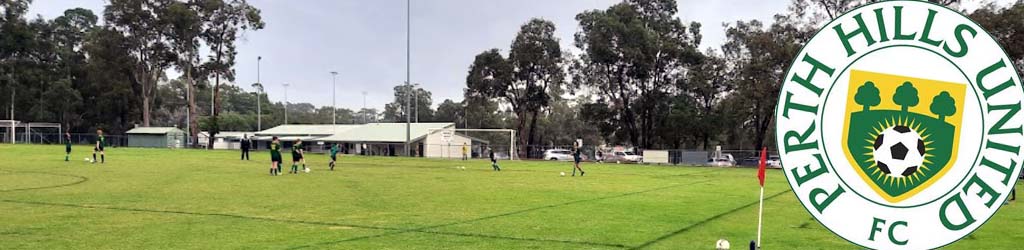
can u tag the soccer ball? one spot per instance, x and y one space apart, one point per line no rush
307 170
88 159
563 173
899 151
722 244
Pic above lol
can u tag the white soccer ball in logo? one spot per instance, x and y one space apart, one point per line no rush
899 151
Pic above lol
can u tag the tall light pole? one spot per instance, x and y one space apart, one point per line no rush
334 98
259 95
416 103
364 108
408 46
285 103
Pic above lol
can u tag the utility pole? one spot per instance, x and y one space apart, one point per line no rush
408 35
334 98
364 108
259 95
286 103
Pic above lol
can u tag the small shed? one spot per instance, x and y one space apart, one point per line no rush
156 137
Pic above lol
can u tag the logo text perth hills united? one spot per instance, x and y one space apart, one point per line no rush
900 126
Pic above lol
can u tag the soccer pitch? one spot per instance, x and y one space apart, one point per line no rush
194 199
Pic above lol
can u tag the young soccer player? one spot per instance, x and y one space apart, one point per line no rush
576 158
67 146
297 157
275 156
334 155
494 160
100 142
465 152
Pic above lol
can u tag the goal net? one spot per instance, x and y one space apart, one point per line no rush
449 143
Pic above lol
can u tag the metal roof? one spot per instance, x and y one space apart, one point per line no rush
386 132
154 130
306 129
371 132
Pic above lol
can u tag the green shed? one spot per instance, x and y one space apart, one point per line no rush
156 137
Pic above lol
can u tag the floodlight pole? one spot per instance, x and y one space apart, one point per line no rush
259 95
285 103
334 98
408 32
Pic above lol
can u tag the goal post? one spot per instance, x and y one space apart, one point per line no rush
502 140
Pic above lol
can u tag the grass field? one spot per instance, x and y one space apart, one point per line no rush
191 199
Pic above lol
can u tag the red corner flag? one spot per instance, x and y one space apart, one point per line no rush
761 165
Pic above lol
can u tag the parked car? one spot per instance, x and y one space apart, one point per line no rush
774 162
623 156
558 155
726 160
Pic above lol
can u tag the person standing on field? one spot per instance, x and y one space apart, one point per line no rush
298 156
275 157
334 155
494 160
246 144
67 146
576 158
100 143
465 152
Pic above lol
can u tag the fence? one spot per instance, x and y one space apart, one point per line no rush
57 138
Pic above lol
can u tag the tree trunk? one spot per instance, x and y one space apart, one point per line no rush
193 124
214 123
522 137
533 131
145 108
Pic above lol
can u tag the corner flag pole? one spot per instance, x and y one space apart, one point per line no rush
760 178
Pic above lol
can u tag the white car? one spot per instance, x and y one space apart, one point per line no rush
558 155
625 156
774 162
726 160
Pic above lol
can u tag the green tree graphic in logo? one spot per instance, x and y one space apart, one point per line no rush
899 150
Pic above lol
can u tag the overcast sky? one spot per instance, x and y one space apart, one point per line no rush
364 41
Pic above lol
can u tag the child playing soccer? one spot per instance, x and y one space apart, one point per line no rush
100 142
67 146
297 157
494 160
334 155
576 158
275 157
465 152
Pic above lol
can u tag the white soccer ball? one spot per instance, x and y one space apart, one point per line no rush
899 151
307 170
562 174
722 244
88 159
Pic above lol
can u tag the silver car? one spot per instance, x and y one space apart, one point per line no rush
558 155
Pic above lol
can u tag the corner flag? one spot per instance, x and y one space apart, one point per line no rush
761 165
760 179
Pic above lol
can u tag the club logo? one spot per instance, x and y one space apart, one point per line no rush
899 126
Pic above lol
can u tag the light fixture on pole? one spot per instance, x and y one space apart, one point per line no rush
285 102
334 98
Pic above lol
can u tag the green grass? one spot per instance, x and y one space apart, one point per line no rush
190 199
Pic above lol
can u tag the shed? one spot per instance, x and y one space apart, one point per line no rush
156 137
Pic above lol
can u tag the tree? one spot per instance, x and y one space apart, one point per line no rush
536 61
905 96
867 95
182 26
633 55
138 23
223 23
1004 24
943 105
396 110
704 87
450 111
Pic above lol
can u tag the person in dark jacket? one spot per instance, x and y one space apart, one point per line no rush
494 160
246 145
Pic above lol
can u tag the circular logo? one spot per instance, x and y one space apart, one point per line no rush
900 126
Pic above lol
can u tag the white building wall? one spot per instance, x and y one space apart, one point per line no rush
436 147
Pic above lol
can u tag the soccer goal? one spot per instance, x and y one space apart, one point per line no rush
449 143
